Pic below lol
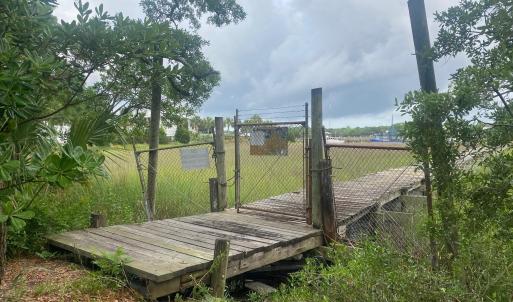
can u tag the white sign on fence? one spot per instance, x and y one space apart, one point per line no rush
194 158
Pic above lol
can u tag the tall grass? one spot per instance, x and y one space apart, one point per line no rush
181 192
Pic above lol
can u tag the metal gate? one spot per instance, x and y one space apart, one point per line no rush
271 160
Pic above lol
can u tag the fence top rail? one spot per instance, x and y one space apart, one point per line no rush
175 147
269 123
366 146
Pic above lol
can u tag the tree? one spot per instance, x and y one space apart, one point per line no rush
228 123
182 134
166 15
473 119
44 67
481 31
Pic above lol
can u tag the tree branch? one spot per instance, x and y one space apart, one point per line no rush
503 100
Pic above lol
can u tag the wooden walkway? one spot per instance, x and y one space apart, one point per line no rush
168 255
353 199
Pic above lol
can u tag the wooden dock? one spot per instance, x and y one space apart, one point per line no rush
169 255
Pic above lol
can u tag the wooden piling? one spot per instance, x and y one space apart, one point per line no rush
98 220
316 151
220 267
329 222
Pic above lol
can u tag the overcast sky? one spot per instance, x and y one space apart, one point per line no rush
358 51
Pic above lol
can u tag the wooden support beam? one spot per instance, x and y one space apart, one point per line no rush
98 220
220 267
329 222
316 151
220 163
213 190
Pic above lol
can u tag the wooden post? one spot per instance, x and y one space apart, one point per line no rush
308 168
141 180
220 266
420 30
316 151
214 202
98 220
220 163
329 222
236 132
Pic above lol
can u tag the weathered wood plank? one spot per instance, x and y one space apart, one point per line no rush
110 236
200 232
235 227
204 244
255 241
159 241
293 230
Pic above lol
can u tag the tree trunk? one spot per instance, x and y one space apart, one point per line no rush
3 250
156 95
429 202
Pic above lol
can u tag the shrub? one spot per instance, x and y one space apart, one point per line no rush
182 134
163 138
369 273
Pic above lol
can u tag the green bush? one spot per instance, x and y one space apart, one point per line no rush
369 273
182 134
163 138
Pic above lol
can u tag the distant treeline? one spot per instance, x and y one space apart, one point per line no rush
363 131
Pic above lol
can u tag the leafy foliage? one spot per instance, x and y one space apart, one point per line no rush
182 134
472 120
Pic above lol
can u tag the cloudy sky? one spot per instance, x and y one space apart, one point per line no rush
358 51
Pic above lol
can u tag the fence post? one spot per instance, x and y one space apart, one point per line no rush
98 220
141 180
214 202
329 223
316 151
306 162
220 163
236 133
220 266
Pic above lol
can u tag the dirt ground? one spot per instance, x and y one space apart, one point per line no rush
36 279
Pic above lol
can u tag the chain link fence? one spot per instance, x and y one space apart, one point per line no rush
377 189
270 161
183 174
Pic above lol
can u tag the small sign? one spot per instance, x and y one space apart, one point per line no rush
194 158
269 141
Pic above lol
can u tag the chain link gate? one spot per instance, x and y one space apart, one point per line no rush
271 160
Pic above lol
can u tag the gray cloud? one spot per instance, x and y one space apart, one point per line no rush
359 51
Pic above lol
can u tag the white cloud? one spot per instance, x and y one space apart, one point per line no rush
359 51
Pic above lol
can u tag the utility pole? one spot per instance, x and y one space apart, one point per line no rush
420 31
